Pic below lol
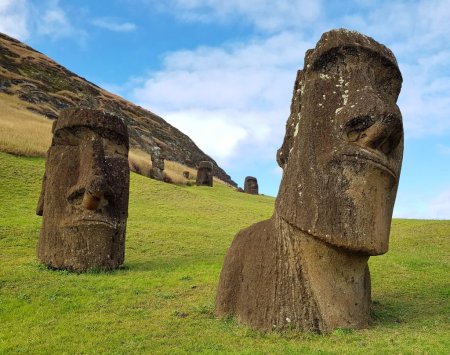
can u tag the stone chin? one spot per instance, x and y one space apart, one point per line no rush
365 208
77 253
348 204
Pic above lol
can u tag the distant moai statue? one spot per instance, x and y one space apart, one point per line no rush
84 198
307 267
205 174
251 185
157 171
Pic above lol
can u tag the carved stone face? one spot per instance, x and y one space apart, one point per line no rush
84 201
205 174
344 156
251 185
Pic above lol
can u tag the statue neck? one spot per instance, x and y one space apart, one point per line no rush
339 280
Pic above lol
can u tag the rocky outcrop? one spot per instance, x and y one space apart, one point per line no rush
47 88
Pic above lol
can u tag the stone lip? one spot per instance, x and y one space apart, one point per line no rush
47 88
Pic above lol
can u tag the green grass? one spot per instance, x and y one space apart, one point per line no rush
162 300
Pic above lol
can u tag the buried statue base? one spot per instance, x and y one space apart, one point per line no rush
275 276
306 268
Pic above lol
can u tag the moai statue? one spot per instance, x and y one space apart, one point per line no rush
306 267
251 185
205 174
84 198
157 164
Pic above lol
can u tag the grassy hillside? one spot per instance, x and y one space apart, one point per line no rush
162 300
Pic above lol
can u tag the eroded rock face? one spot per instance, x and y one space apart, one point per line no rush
306 267
251 185
84 198
205 174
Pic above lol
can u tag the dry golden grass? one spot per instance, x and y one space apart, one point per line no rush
175 171
21 131
28 134
140 162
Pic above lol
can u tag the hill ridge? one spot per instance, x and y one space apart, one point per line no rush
47 87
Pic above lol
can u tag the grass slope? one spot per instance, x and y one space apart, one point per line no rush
162 300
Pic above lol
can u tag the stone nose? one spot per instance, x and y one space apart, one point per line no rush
377 132
94 182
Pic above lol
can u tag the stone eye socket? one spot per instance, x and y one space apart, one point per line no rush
65 137
357 126
113 148
382 133
76 196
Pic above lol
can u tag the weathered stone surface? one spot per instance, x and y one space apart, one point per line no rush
84 198
306 267
251 185
157 171
48 87
205 174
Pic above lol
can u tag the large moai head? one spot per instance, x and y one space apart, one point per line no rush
251 185
343 148
205 174
84 198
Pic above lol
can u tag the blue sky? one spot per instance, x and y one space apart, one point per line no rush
223 71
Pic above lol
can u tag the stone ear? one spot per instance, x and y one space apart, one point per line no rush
40 204
292 122
54 126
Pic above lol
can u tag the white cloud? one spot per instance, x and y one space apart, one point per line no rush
54 22
264 15
231 98
13 18
255 77
418 34
114 25
424 101
22 19
214 134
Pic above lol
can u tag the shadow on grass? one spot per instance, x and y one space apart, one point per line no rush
174 263
415 306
